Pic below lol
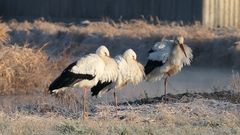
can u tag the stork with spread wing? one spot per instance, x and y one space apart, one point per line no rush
166 58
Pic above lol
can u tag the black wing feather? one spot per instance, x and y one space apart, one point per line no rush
150 51
100 86
68 78
151 65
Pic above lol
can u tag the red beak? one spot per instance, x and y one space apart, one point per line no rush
181 46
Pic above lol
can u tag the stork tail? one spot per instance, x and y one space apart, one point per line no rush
68 78
100 88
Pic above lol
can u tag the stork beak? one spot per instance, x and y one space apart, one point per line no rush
181 46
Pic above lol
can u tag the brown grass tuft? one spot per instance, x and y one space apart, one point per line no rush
24 70
4 33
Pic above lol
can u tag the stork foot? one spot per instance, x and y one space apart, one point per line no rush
169 99
165 99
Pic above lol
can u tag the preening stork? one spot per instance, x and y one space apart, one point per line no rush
166 58
86 72
129 71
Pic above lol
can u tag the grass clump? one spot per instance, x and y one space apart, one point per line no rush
24 70
4 33
70 128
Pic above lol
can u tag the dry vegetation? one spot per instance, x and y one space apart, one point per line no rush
200 116
139 29
3 33
39 50
210 45
25 70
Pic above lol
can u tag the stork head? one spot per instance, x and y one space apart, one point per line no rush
180 41
130 54
103 51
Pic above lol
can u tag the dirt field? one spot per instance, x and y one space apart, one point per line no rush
203 113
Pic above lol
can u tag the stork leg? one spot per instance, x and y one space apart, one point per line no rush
84 103
115 98
165 88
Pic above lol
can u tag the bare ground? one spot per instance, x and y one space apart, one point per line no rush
199 113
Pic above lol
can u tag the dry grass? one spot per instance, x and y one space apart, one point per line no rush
22 69
141 29
210 46
4 33
26 71
133 29
198 117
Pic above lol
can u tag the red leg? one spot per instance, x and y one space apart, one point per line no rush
115 98
165 88
84 103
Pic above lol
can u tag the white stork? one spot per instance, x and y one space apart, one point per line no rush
86 72
166 58
129 71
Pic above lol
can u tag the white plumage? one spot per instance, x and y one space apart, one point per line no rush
161 50
129 71
166 58
87 71
102 67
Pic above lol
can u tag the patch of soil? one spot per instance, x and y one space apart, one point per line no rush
228 96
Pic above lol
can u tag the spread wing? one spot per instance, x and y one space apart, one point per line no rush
161 51
158 55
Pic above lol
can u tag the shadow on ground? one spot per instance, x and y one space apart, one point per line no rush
227 96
